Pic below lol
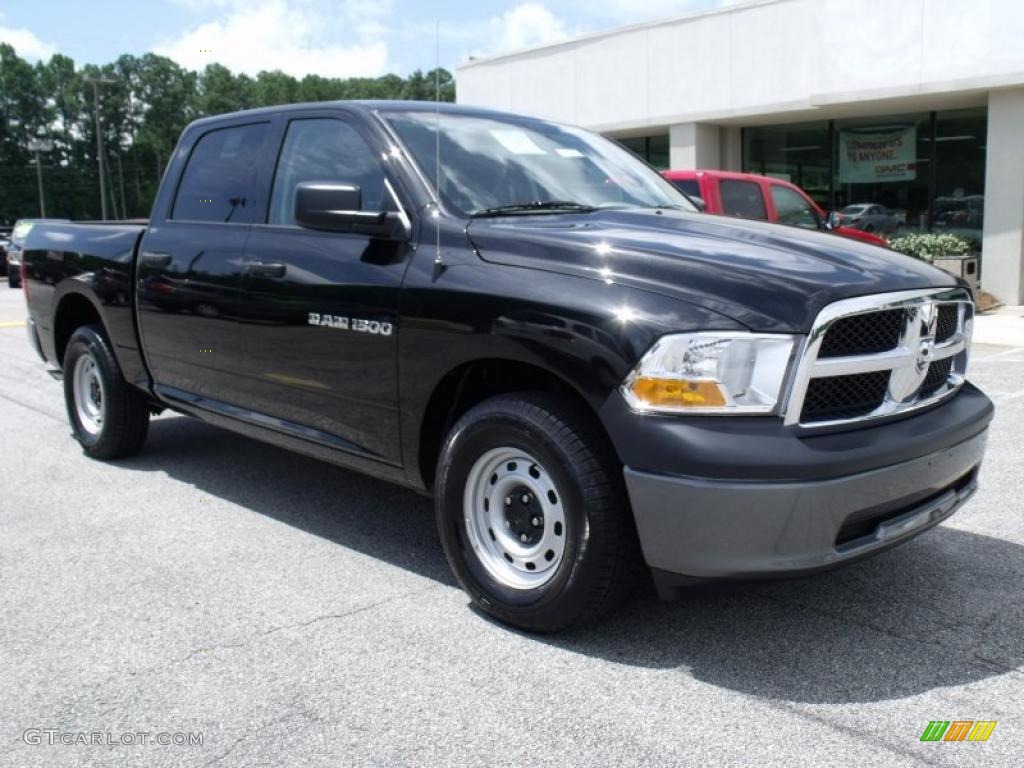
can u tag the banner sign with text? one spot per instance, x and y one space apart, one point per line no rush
866 158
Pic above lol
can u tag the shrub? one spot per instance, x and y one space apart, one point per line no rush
931 246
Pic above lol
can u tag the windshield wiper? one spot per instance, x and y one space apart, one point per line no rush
536 206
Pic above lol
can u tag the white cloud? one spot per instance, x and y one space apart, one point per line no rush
522 26
526 25
331 39
25 42
635 11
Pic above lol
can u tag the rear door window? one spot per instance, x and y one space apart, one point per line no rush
217 184
742 199
689 187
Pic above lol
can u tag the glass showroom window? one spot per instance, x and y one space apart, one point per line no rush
959 202
892 174
798 153
882 172
653 149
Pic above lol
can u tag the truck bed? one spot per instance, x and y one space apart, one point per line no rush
96 259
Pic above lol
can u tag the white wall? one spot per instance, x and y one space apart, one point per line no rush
761 58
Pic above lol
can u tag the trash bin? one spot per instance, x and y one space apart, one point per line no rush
961 266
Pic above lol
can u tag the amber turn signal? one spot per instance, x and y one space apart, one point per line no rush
674 393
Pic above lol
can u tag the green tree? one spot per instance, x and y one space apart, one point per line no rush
168 95
275 88
219 91
142 114
24 114
420 86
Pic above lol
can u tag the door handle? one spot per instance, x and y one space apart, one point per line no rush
265 268
154 259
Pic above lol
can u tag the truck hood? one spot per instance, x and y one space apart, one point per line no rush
766 276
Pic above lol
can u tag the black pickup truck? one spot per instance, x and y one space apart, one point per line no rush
528 323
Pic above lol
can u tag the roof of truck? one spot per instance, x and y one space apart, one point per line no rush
370 105
714 173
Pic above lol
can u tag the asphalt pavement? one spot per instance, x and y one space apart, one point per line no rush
289 613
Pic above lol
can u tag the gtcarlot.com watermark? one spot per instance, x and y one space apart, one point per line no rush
55 736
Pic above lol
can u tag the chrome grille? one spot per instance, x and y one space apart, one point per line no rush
844 397
938 374
948 321
864 334
876 356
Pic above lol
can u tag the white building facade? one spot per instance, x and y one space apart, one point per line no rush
917 105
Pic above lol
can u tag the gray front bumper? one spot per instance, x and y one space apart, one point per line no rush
703 528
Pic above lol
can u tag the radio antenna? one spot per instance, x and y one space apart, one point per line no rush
438 261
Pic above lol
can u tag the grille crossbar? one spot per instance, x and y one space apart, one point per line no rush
876 356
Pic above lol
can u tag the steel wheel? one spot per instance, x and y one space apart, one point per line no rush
514 518
90 397
532 512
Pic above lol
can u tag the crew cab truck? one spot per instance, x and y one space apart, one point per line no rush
526 322
752 196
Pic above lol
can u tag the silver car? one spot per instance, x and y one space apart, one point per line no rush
871 217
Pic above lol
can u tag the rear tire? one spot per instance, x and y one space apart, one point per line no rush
109 418
532 513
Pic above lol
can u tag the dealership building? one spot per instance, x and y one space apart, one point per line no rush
915 105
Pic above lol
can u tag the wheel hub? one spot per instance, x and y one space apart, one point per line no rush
514 518
87 387
524 515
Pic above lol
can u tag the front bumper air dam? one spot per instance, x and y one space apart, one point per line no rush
694 529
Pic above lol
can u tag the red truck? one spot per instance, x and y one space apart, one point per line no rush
750 196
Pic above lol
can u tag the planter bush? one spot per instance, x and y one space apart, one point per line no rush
931 246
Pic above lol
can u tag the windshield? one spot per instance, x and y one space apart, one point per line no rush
21 230
854 209
498 162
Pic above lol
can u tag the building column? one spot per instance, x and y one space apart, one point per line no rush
1002 271
694 145
731 140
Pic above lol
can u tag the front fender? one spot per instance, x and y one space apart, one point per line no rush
587 333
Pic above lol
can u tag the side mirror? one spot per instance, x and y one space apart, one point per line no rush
833 221
336 207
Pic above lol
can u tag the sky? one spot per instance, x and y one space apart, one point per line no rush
333 38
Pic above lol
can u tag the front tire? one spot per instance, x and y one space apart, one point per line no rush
532 513
109 418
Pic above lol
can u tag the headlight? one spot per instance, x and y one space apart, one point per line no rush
711 373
